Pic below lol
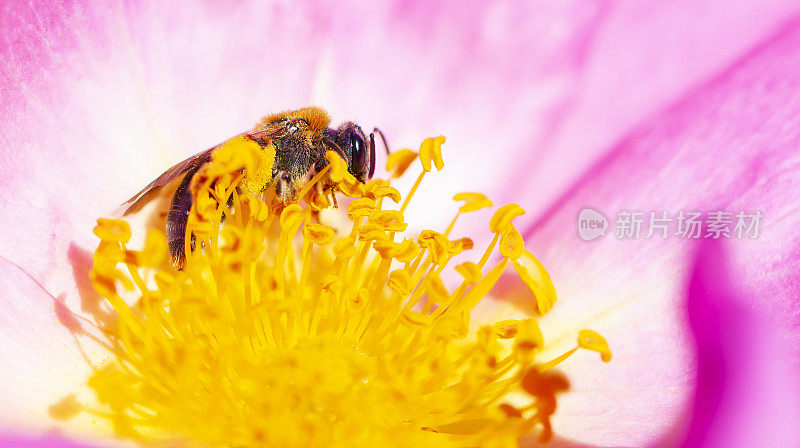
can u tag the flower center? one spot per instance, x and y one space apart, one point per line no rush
283 331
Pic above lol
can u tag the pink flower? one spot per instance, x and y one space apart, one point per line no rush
680 106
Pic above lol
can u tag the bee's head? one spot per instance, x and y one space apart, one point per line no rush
357 149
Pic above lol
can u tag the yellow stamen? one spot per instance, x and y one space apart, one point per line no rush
281 331
431 151
503 217
531 271
472 201
398 162
413 190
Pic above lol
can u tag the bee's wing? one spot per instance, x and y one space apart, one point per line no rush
171 174
263 135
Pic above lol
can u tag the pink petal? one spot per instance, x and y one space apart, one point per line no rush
639 58
52 441
730 145
747 394
40 361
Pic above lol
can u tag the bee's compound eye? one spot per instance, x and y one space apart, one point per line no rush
359 155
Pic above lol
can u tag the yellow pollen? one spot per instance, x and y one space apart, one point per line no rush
282 331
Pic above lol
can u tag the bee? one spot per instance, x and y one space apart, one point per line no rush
299 140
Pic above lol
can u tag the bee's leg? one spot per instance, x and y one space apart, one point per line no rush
176 220
333 198
230 207
331 188
285 189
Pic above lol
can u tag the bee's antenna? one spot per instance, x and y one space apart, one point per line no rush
383 138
